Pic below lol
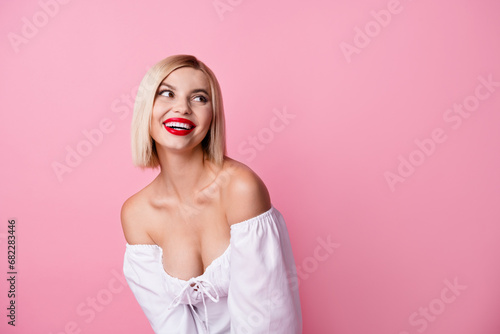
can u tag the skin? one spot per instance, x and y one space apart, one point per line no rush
189 207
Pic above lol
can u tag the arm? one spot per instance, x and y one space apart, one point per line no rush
132 217
143 270
263 295
246 195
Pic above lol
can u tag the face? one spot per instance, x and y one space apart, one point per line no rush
182 111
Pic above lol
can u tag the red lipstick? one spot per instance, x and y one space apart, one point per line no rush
179 126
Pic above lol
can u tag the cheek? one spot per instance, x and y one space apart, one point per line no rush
208 116
155 117
156 112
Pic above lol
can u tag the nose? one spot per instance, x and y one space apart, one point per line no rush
182 107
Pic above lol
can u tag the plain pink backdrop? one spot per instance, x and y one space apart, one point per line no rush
365 86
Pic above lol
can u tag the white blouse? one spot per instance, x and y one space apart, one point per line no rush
251 288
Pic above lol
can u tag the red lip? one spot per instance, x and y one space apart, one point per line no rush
179 132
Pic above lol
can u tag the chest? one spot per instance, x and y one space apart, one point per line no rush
191 238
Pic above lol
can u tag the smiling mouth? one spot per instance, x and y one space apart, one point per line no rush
179 126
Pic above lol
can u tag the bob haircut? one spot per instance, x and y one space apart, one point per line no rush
144 152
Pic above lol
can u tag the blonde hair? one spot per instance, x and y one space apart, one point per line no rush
144 152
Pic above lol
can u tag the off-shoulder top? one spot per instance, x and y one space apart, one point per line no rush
251 288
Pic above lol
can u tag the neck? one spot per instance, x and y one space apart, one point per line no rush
183 174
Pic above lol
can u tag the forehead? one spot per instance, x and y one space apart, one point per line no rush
187 78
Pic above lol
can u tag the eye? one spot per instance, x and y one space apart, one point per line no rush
201 98
166 93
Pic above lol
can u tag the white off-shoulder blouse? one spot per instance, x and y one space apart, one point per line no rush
251 288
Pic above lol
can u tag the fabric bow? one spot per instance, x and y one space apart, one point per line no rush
203 288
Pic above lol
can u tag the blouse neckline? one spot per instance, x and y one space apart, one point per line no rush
214 261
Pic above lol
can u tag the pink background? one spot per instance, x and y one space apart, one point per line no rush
353 117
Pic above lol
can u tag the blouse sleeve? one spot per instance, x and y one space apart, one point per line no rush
142 269
263 292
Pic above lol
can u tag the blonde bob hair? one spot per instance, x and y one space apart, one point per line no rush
144 152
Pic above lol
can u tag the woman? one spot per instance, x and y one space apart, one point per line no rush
206 251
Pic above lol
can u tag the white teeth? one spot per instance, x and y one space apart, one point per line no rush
179 125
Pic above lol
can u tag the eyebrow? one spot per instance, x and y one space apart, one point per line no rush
199 90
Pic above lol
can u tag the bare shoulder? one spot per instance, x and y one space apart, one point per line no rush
133 213
246 195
